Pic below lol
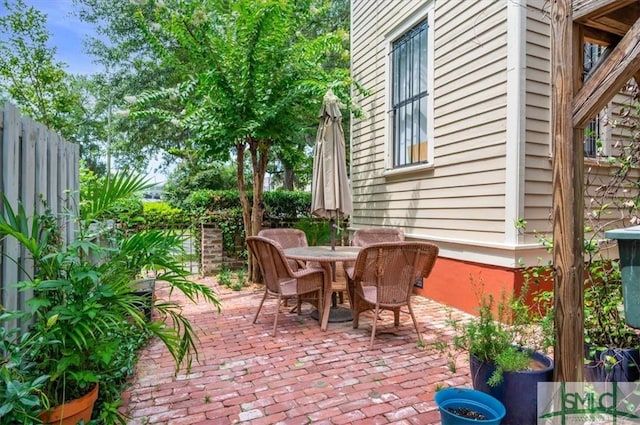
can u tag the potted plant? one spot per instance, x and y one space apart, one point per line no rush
611 346
84 298
506 342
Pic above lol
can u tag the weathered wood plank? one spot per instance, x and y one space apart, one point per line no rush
28 195
10 177
25 175
583 9
41 168
608 78
567 200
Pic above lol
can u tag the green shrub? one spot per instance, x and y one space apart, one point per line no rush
161 214
224 277
287 205
318 231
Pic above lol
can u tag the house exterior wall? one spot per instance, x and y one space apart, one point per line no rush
463 199
537 115
491 143
490 165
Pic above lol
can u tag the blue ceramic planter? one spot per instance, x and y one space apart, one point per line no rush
518 390
466 398
612 365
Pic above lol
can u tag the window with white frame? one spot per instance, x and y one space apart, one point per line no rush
594 132
409 124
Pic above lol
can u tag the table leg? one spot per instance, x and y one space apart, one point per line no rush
326 306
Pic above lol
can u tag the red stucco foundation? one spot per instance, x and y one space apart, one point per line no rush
456 283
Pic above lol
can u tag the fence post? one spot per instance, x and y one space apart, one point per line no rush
211 249
30 165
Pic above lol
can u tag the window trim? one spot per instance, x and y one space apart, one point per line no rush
604 131
425 13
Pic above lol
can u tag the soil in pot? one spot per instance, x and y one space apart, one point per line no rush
467 413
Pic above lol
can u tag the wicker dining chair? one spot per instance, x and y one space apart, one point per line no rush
384 276
280 281
368 236
371 235
287 238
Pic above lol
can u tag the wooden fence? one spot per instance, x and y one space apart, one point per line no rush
41 170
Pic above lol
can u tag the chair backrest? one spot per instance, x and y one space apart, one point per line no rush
287 238
368 236
394 267
271 260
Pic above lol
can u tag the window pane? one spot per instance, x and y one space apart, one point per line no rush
416 132
423 119
423 61
409 96
415 70
403 73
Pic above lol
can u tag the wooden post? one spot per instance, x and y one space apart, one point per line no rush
568 199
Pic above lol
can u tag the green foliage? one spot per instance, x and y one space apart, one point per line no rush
287 205
20 389
318 232
233 234
278 205
29 74
224 277
604 322
186 180
84 303
222 207
212 200
254 77
605 325
162 215
241 276
505 332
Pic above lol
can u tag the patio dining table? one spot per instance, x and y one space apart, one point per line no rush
327 257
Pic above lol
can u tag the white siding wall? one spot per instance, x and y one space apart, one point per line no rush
460 201
492 162
538 187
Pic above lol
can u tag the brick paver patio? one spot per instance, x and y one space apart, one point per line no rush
301 376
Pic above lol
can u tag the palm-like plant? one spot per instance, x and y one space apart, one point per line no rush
83 291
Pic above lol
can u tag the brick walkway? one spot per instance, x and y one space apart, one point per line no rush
302 376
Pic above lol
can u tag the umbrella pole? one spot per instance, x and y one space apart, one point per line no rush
334 296
333 233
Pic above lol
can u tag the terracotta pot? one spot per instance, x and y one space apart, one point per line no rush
72 412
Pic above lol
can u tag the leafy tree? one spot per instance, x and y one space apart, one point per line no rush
39 86
186 180
131 66
253 75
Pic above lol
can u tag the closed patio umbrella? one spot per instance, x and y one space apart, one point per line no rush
330 190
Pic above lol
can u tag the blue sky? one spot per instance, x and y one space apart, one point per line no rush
67 34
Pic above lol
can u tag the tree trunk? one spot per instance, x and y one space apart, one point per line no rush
259 150
287 175
246 208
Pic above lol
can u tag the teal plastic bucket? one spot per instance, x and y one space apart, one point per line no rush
466 398
629 247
